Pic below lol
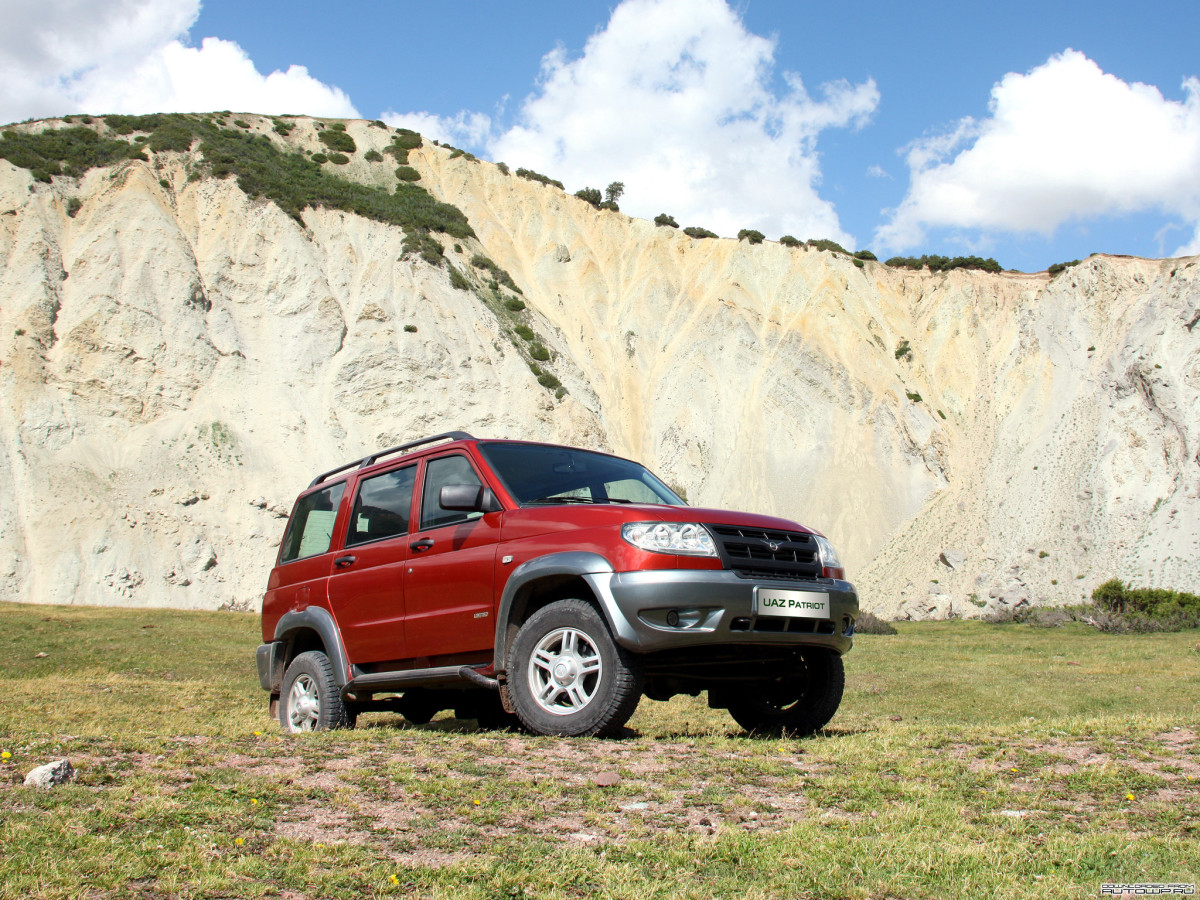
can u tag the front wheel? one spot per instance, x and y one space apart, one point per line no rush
309 697
567 676
797 704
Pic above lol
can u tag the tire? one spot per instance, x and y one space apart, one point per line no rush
568 677
799 704
309 698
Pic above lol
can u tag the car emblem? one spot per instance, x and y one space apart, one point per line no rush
774 546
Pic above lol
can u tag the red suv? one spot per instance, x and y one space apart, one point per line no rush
555 585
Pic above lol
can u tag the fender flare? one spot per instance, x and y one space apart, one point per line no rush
591 567
320 620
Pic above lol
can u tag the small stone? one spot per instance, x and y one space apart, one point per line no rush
952 559
41 655
607 779
50 775
629 807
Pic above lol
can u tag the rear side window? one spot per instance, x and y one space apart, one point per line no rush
311 528
438 474
382 507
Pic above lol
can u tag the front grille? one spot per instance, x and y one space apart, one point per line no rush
761 553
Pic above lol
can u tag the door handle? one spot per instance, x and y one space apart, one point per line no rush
422 544
342 561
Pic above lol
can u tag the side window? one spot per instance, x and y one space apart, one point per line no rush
438 474
382 506
311 528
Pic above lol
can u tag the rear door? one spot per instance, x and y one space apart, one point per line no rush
367 585
301 573
451 566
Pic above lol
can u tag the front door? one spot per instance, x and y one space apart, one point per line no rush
451 565
366 588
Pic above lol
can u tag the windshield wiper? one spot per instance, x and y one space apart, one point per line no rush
579 500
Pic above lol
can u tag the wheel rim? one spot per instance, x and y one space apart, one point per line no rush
565 671
304 704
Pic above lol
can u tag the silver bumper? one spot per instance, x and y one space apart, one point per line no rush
717 607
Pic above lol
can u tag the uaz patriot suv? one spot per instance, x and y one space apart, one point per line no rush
556 585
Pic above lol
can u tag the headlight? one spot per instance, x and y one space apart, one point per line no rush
831 566
682 538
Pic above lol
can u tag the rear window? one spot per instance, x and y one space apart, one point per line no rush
311 529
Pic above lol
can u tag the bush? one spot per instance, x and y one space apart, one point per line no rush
531 175
589 195
1061 267
913 396
423 244
903 350
610 205
338 141
1115 596
241 123
458 281
869 623
525 332
696 231
339 159
539 352
867 255
824 244
287 178
749 234
788 241
547 380
479 261
666 221
503 167
407 173
73 206
513 304
319 158
944 263
63 151
412 329
373 156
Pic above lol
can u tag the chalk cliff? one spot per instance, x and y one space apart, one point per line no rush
177 361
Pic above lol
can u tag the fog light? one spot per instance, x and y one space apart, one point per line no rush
672 618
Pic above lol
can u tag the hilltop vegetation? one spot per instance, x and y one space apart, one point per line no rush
289 179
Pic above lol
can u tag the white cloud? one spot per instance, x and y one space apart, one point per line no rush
470 128
1064 142
129 56
674 98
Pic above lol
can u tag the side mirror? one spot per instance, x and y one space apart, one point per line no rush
468 498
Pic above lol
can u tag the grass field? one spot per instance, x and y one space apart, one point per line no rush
968 760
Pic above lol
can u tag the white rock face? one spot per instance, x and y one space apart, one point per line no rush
177 362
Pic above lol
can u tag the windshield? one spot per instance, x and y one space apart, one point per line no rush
534 474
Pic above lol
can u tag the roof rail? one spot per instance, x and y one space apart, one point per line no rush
375 457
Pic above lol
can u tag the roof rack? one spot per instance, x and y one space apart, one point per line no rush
375 457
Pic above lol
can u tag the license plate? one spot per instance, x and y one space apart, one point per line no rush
798 604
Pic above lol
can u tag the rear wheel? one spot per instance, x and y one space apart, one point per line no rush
567 676
309 698
797 704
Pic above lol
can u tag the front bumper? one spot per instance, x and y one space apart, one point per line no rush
714 607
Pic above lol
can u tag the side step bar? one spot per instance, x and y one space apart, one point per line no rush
442 676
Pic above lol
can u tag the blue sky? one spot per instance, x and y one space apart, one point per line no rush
1034 133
